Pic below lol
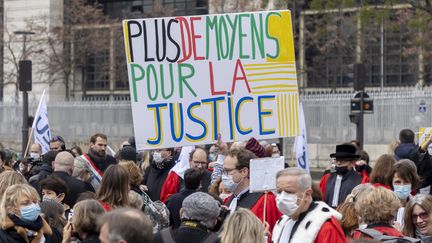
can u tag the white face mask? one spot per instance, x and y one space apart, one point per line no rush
228 183
51 199
224 196
430 150
157 157
35 155
287 203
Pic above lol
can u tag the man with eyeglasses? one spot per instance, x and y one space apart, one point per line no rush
198 158
336 186
235 178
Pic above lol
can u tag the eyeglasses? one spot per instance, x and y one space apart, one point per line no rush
423 216
203 163
227 171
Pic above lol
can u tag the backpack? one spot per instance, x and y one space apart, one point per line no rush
157 211
375 234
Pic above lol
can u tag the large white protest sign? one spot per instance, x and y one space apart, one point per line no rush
40 125
193 77
263 173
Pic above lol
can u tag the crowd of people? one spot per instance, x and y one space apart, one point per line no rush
201 194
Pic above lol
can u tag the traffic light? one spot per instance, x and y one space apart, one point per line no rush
25 75
367 105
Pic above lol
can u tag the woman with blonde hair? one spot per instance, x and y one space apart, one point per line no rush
19 216
242 226
114 189
9 178
350 219
377 208
417 218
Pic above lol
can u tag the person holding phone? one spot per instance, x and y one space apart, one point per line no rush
83 223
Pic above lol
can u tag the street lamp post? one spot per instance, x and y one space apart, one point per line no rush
24 77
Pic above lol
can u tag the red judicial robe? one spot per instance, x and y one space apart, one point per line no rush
255 202
170 186
331 232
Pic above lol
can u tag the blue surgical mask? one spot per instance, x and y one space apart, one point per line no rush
30 212
402 191
212 157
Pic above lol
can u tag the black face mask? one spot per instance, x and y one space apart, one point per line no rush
341 170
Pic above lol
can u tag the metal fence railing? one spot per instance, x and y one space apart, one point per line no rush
326 117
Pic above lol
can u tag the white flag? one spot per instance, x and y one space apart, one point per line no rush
300 145
183 161
40 125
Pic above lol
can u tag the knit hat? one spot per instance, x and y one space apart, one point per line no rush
255 148
201 207
128 153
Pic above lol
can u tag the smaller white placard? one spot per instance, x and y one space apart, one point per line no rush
263 173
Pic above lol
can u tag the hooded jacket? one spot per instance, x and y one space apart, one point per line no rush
421 159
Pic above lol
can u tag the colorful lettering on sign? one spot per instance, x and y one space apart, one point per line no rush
194 77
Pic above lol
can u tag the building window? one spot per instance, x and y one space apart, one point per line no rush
330 51
187 7
97 72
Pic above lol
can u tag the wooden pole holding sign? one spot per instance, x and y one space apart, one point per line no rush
28 142
265 207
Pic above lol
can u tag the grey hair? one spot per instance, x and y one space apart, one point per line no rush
303 177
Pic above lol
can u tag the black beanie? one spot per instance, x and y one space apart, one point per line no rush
128 153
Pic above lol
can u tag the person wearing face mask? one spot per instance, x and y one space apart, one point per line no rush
235 178
304 220
407 149
336 186
19 216
404 180
155 175
54 189
35 151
